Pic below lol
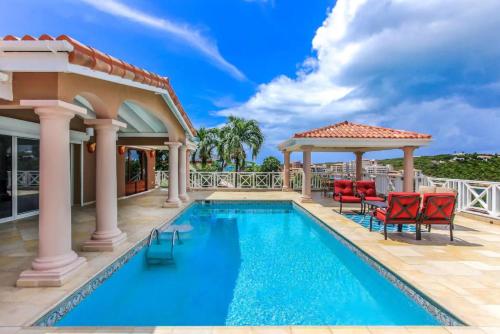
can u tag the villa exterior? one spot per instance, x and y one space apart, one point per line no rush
78 126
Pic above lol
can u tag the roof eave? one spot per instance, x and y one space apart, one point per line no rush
344 144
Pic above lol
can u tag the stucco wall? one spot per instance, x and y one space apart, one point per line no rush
120 174
88 175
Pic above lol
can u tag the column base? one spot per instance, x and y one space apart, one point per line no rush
286 189
184 198
103 245
50 277
304 199
172 204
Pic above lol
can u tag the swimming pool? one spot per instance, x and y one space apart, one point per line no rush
252 263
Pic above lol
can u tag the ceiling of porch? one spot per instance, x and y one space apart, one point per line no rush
140 122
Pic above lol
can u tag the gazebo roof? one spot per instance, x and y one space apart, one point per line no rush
354 130
348 136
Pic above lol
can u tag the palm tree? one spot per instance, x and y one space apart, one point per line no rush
205 140
219 134
240 134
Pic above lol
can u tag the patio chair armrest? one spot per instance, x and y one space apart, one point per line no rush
384 196
337 194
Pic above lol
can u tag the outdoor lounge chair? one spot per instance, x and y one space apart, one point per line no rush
403 209
437 209
367 191
343 192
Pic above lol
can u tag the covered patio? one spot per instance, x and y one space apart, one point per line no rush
81 127
350 137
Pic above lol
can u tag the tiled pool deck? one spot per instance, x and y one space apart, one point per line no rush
463 275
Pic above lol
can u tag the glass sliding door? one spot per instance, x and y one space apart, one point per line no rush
28 160
6 177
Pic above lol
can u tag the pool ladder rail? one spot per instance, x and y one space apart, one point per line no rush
156 251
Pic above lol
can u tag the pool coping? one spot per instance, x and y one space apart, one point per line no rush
66 304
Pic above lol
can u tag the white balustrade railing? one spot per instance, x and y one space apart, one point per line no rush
240 180
25 178
477 197
161 178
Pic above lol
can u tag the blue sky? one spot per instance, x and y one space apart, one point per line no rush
429 66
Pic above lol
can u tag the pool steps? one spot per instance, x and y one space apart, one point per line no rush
158 250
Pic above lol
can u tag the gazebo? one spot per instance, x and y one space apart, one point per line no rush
351 137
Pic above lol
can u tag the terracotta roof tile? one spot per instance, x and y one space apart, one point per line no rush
96 60
353 130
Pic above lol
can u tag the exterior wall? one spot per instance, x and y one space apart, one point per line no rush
88 175
151 170
76 174
145 141
120 174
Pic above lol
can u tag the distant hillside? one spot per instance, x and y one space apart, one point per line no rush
465 166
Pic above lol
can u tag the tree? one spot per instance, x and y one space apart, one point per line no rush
270 164
240 134
161 160
206 141
220 147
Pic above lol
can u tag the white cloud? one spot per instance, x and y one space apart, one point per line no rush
183 32
429 65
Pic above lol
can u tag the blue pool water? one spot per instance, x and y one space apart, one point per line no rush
249 264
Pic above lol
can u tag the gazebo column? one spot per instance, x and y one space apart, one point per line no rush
306 176
359 165
56 262
173 176
286 171
182 173
408 173
107 235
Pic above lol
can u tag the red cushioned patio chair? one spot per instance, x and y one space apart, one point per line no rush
367 191
403 209
437 209
343 192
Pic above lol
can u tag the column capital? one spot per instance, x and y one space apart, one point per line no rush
306 148
173 144
409 148
53 107
105 123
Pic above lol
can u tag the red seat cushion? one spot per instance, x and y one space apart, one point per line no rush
380 214
377 199
344 187
366 188
347 199
403 208
438 208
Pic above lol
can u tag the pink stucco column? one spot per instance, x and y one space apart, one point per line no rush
107 235
182 173
359 165
173 200
409 172
56 262
306 181
188 170
286 171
